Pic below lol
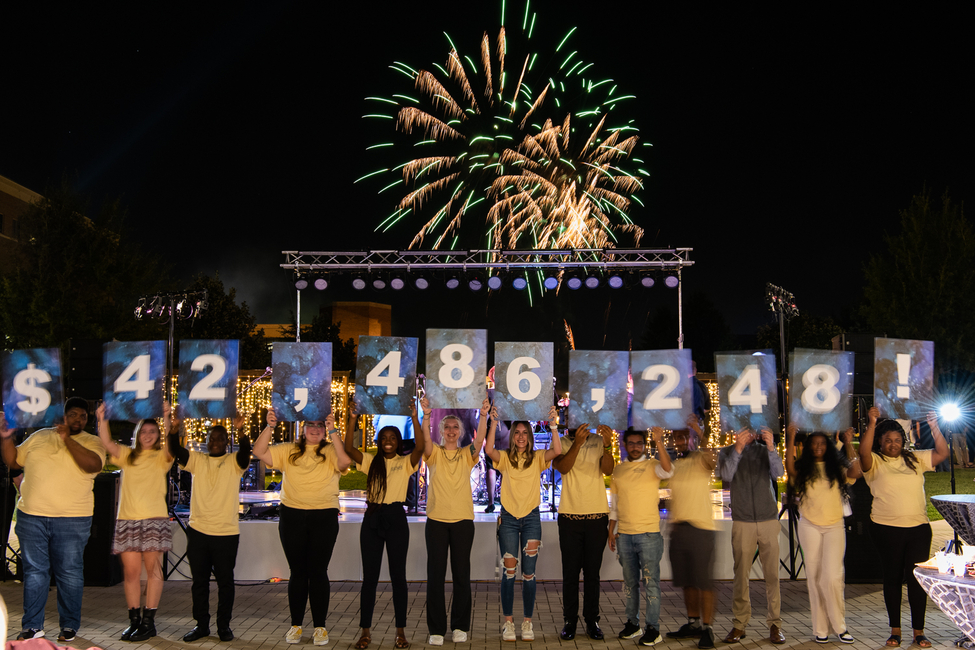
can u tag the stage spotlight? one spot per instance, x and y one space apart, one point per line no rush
671 281
184 308
574 282
495 282
616 281
140 309
551 282
397 282
950 412
592 281
378 283
201 304
301 283
453 281
321 283
519 282
647 281
475 282
420 282
358 283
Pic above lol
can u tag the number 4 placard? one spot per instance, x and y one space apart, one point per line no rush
208 379
523 380
819 390
661 388
749 397
385 375
134 379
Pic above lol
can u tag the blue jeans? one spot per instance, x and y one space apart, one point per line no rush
58 544
513 536
639 555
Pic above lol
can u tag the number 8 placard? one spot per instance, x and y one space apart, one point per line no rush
661 388
133 377
456 368
385 375
208 378
819 390
523 380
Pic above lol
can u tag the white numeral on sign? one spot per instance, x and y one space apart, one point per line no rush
598 395
747 390
821 394
135 378
514 376
657 399
204 389
390 365
462 364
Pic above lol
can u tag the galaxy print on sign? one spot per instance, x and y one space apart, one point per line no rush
33 393
523 388
903 378
819 391
597 388
301 377
385 375
456 368
208 378
747 386
661 388
134 379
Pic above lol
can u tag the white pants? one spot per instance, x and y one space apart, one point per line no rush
823 548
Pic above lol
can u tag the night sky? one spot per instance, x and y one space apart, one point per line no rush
785 139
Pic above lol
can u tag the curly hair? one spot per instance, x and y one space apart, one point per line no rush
302 443
834 469
137 448
513 452
886 426
376 480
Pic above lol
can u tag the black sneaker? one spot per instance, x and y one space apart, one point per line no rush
687 631
630 630
707 638
651 637
67 634
30 633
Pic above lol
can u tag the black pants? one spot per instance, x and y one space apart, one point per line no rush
582 542
384 526
308 539
216 553
900 549
456 538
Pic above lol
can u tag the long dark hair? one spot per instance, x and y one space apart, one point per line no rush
376 480
806 473
529 452
886 426
137 448
302 442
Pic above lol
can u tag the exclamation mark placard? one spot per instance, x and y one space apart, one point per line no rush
903 376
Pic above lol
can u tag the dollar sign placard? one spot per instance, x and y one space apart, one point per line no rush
33 395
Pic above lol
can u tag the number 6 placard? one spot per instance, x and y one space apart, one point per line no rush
385 375
661 388
746 385
523 380
208 379
819 390
456 368
133 379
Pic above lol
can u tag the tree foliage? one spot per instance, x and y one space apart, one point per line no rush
923 285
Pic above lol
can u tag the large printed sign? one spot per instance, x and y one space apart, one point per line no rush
661 388
208 378
134 379
903 377
819 394
523 380
456 368
597 388
748 391
33 395
385 375
301 378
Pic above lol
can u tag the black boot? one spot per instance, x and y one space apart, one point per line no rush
135 618
147 629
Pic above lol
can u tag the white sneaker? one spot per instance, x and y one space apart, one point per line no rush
508 631
320 637
435 639
460 636
293 635
527 631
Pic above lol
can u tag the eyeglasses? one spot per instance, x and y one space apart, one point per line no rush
317 425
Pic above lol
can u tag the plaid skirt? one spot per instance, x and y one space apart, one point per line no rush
142 535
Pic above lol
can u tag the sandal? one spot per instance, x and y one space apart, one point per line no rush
401 642
894 641
922 641
363 642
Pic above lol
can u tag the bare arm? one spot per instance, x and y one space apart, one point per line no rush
662 455
564 462
866 440
427 439
853 471
417 452
344 461
481 427
86 460
555 449
168 423
262 446
7 447
606 462
941 451
104 433
489 449
350 450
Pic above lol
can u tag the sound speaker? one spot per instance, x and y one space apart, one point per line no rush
102 569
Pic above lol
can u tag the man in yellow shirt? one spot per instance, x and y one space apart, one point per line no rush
54 521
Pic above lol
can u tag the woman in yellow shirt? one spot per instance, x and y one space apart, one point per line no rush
819 479
309 521
142 532
520 524
384 524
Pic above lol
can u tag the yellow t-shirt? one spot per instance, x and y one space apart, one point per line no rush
311 482
449 498
822 504
690 490
635 491
215 499
898 491
583 488
520 489
398 473
143 491
54 485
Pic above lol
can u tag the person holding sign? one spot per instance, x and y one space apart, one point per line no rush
752 465
899 519
583 523
213 534
142 530
520 524
384 524
54 513
819 480
450 524
309 521
634 529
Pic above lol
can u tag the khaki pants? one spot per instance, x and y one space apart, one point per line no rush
745 537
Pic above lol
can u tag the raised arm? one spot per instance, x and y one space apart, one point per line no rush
790 449
729 458
354 454
866 440
775 467
489 449
853 471
7 447
567 460
607 461
481 428
427 439
555 449
262 446
417 452
176 450
341 456
104 433
941 451
658 438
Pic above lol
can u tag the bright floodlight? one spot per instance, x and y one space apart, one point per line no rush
950 412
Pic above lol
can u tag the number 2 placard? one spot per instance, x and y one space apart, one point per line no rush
456 368
133 379
385 375
302 381
523 380
33 395
597 388
208 378
819 391
661 388
749 396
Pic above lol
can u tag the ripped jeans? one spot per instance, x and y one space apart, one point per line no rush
513 537
639 556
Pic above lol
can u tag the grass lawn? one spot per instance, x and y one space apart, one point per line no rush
936 483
